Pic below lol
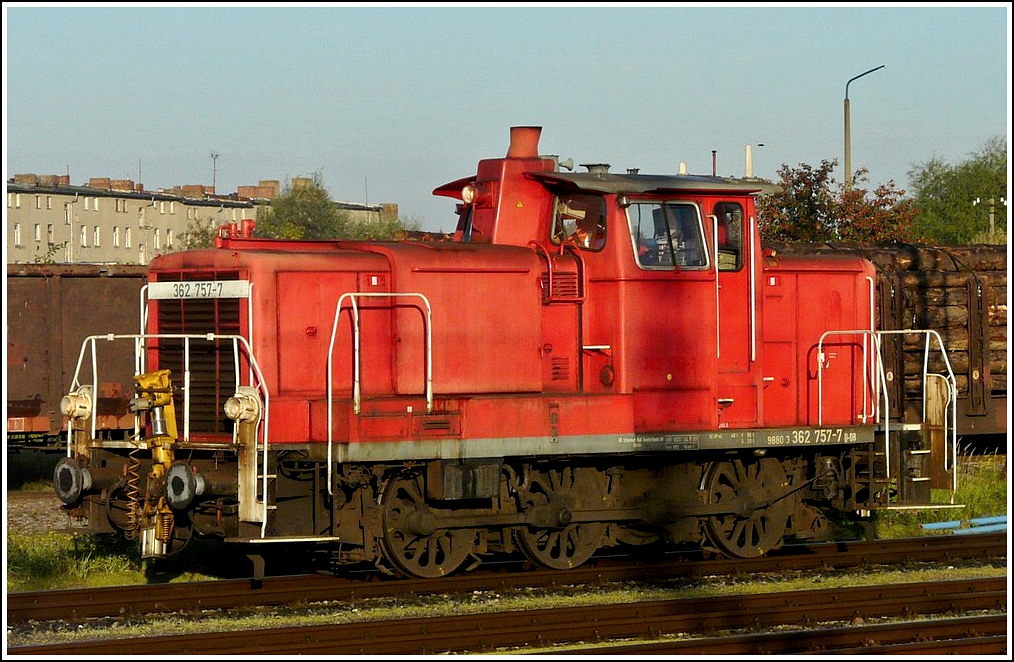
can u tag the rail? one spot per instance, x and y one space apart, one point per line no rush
877 383
356 388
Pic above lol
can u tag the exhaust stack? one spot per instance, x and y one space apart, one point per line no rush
524 142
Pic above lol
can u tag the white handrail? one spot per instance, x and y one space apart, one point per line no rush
718 306
356 390
139 345
950 461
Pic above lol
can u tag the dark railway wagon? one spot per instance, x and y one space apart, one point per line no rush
961 291
51 309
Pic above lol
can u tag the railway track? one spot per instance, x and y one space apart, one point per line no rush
572 629
122 601
28 610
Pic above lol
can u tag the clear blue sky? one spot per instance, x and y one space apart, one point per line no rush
387 103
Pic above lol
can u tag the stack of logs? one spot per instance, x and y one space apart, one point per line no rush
958 291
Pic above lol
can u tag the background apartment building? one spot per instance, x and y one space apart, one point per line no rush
115 221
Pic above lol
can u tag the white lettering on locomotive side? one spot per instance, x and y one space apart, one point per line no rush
200 289
743 439
812 436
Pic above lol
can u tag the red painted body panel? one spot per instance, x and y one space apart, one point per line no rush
630 350
803 298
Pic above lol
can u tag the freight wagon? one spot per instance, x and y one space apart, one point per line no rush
51 309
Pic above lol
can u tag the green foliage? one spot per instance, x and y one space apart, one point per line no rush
382 230
812 207
944 195
44 561
199 234
982 491
303 211
50 255
55 560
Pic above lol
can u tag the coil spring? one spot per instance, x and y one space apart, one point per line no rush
164 525
132 490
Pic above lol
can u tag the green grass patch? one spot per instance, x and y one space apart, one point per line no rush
982 492
58 560
37 562
37 485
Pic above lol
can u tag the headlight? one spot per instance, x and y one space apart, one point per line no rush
77 404
245 406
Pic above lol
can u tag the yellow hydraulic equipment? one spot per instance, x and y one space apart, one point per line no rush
154 516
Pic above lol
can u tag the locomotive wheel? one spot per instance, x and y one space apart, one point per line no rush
411 548
748 488
557 548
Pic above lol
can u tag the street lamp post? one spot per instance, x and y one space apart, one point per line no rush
848 148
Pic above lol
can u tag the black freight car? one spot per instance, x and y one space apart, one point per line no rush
51 309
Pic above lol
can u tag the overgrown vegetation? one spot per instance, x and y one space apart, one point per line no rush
56 560
963 202
46 561
304 210
811 207
950 204
982 491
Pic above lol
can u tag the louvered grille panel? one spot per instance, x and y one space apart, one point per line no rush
212 371
565 287
560 369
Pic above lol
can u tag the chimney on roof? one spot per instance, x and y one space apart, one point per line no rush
524 142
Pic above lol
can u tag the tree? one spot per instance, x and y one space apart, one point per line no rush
51 252
885 217
198 235
381 230
944 195
811 207
303 211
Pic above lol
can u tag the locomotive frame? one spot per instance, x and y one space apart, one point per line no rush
527 387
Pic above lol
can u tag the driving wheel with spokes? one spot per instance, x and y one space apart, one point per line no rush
758 515
410 542
565 544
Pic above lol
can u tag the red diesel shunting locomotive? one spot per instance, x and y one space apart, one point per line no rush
522 388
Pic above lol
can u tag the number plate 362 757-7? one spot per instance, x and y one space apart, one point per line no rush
200 289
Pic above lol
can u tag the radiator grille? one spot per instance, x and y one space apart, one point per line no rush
212 369
565 287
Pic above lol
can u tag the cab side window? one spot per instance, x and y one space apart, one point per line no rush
730 235
667 235
580 217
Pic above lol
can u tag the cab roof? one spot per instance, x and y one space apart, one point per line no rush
644 184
